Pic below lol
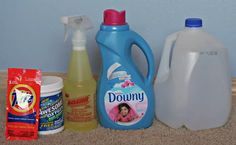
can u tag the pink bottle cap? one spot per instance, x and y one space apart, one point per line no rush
114 17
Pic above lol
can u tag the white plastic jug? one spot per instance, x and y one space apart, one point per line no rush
193 85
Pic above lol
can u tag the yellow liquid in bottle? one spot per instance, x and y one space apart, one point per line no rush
79 94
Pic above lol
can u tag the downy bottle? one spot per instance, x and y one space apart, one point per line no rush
125 97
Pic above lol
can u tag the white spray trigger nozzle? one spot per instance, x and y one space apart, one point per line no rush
82 23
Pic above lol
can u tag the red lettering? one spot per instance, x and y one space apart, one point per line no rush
80 101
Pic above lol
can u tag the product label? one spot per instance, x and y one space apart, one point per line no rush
80 109
22 98
51 112
126 103
22 109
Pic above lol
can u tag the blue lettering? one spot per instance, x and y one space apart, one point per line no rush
141 97
112 97
119 98
31 99
126 97
135 96
14 102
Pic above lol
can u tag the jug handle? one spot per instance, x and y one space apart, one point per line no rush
164 68
142 44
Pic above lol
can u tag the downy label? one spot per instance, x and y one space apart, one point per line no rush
126 103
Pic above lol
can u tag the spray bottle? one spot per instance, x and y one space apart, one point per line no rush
80 86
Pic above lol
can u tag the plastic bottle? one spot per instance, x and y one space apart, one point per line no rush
80 86
125 97
193 86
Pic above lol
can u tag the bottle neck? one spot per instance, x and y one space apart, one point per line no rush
114 28
78 44
193 28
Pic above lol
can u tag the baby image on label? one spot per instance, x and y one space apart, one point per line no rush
126 103
126 114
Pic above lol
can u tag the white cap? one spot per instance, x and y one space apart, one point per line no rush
51 84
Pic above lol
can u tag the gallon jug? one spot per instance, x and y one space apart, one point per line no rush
193 85
125 97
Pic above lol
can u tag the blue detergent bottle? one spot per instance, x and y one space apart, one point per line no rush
125 97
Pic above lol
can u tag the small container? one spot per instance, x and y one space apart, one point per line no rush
51 106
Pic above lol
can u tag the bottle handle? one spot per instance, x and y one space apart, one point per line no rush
164 68
142 44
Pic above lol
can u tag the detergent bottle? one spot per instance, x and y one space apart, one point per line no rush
125 97
79 86
193 85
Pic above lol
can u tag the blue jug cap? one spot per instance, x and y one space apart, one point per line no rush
193 22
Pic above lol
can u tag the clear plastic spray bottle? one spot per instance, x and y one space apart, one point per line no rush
80 86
